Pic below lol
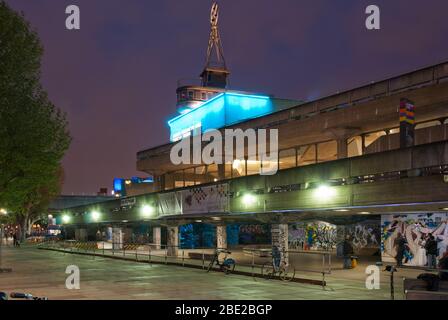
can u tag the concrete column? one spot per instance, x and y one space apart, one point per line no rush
173 241
342 148
81 234
221 237
117 238
157 237
279 235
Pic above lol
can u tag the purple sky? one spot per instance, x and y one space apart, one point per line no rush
116 77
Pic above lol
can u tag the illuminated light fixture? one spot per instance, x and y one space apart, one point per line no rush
324 192
112 192
216 218
215 180
50 216
65 218
125 221
95 215
3 211
364 213
147 211
249 199
445 209
220 111
342 210
198 221
128 182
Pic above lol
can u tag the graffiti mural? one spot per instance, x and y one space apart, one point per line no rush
221 237
325 236
254 234
362 235
205 199
315 235
196 235
414 228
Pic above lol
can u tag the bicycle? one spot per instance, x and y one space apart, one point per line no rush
228 264
17 295
278 267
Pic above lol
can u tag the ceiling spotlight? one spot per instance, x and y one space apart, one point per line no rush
249 199
65 218
147 211
95 215
324 192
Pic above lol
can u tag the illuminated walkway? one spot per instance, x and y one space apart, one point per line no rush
42 272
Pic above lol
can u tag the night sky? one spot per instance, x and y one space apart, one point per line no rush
116 77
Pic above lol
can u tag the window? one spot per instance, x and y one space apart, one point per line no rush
306 155
354 146
327 151
287 159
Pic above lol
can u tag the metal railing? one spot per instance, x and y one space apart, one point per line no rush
187 257
292 256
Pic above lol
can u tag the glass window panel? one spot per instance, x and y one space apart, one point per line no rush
354 146
287 159
327 151
306 155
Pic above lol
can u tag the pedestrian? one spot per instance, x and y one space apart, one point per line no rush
347 251
14 239
400 243
431 251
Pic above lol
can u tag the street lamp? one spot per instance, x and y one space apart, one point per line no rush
249 199
147 211
95 215
324 192
66 218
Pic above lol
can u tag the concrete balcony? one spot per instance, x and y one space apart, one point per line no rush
403 180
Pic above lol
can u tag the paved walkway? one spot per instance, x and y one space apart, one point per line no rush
42 273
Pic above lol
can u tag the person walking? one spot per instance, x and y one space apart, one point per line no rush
400 243
347 251
14 239
431 251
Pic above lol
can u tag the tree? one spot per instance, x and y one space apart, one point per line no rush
33 132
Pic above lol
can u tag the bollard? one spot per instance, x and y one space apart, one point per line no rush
203 262
166 254
183 261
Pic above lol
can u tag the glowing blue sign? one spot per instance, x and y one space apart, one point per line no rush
221 111
118 185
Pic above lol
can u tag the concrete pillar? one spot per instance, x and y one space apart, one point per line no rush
117 238
342 148
157 237
279 235
221 237
173 241
81 234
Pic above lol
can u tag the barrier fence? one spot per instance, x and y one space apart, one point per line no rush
248 261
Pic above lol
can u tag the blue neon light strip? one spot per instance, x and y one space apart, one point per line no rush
223 110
